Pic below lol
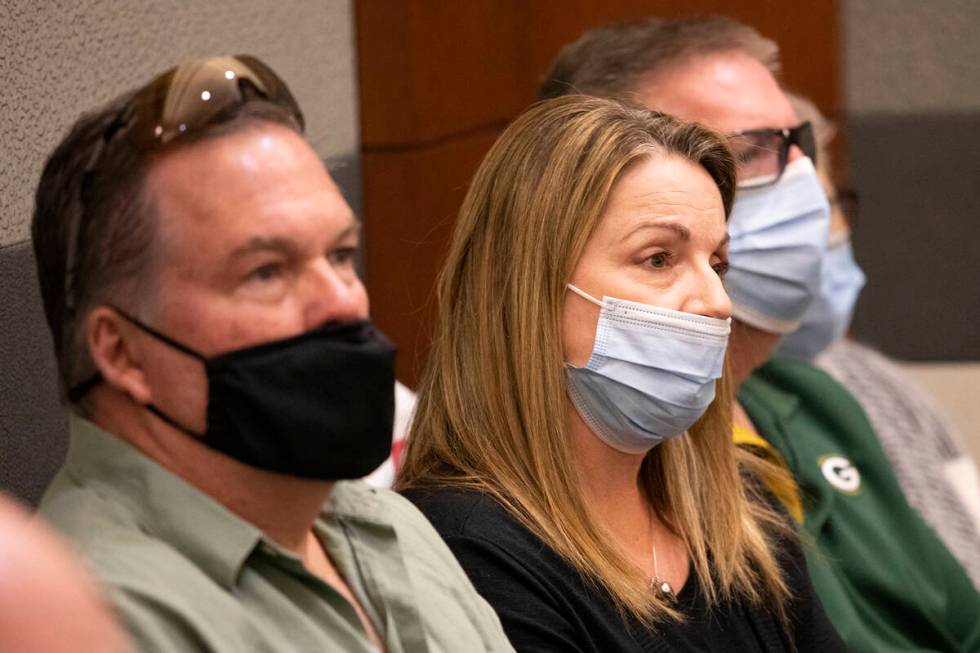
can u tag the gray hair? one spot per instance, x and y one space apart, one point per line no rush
610 61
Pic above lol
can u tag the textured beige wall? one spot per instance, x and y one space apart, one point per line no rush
59 57
955 387
912 56
920 59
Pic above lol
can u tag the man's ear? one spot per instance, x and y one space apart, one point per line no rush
116 349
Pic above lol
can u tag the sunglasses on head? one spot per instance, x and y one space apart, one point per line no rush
176 104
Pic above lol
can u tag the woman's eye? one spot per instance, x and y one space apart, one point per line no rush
721 268
660 260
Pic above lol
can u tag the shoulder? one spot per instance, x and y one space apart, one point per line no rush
501 555
849 358
416 533
443 593
804 381
413 515
426 547
359 502
460 511
543 602
803 411
899 407
793 377
130 562
164 600
487 538
847 349
104 532
478 519
77 510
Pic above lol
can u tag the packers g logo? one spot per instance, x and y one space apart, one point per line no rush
840 473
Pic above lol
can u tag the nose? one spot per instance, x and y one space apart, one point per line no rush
794 153
709 298
332 295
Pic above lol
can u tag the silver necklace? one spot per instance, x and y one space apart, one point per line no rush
657 583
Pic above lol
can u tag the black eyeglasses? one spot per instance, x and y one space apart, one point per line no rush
177 103
762 154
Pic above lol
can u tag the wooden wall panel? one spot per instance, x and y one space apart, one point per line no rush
406 227
431 69
439 80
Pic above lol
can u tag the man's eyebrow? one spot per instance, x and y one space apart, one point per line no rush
724 241
682 232
285 245
262 244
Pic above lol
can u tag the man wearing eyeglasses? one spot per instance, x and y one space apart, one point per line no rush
196 263
885 579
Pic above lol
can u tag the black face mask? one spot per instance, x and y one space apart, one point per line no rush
318 405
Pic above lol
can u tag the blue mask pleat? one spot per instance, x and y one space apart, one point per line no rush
829 317
778 237
651 374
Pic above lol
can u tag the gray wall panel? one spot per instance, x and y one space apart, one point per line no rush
912 56
32 422
913 120
918 238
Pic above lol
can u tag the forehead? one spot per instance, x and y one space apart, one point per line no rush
726 91
664 186
245 182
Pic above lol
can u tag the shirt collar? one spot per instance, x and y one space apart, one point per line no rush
355 501
163 504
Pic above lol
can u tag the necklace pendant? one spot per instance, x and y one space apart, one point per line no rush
662 587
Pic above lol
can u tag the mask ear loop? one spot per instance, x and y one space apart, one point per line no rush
76 393
172 422
182 348
589 298
167 340
586 296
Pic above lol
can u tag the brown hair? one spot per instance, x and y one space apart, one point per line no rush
492 402
98 183
610 61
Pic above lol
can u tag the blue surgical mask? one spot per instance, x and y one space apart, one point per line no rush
829 317
651 374
778 236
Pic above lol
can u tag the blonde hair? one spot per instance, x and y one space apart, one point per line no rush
492 404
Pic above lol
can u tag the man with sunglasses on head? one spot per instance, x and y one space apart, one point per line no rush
885 579
196 263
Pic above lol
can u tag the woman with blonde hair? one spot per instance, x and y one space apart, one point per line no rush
572 440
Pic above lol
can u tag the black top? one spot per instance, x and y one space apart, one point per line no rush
545 606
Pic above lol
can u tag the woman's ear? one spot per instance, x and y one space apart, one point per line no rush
116 350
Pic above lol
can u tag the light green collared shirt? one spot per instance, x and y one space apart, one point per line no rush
186 574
